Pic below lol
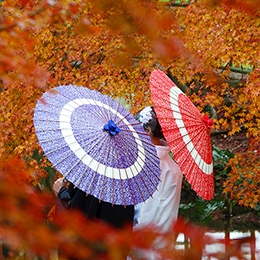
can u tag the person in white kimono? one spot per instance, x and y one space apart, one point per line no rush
161 210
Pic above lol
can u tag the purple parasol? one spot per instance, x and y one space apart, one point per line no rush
97 145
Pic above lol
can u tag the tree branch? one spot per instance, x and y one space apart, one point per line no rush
32 14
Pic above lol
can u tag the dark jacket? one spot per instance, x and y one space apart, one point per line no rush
115 215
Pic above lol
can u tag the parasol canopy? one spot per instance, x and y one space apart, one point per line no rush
97 145
187 133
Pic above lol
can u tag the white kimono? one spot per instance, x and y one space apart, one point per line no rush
161 210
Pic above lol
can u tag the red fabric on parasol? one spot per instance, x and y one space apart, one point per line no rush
187 133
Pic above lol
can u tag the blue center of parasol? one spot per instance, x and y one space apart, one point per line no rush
111 127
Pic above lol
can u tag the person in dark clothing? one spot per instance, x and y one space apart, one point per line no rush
93 208
70 197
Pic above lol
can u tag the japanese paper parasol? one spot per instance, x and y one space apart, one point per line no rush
186 131
97 145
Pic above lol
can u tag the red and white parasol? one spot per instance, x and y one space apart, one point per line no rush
187 133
